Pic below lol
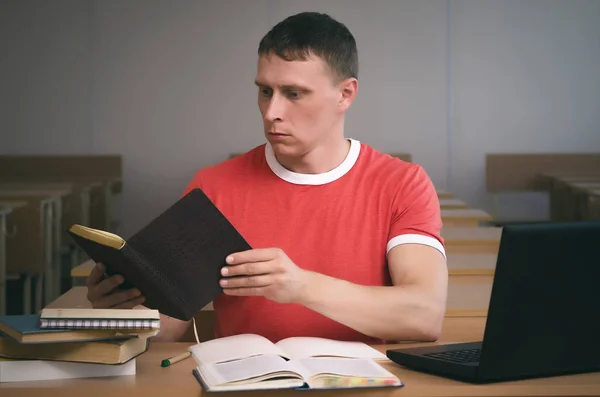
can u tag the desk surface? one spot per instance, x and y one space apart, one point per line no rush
84 269
471 261
152 380
471 234
466 213
452 203
444 194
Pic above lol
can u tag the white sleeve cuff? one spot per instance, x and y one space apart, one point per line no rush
415 239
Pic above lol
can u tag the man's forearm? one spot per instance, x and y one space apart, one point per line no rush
392 313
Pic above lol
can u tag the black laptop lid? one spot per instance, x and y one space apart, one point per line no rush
545 304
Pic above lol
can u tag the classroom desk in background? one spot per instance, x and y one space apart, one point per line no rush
5 210
452 204
464 217
471 240
592 207
560 187
442 194
153 380
51 202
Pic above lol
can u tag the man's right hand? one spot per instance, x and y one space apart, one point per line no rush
104 293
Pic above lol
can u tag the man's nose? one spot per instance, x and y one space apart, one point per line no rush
275 109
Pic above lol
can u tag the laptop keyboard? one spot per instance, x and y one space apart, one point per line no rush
457 356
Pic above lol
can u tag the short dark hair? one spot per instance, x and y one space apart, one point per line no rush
300 35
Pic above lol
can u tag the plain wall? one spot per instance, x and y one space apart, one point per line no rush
169 85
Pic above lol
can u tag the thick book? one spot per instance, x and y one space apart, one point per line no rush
34 370
85 318
175 260
252 362
112 352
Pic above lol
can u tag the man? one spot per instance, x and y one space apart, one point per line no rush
346 240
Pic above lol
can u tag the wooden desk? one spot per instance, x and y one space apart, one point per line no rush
6 208
593 204
73 208
471 240
469 284
442 194
72 190
560 187
23 253
30 250
469 294
464 262
3 214
470 217
578 200
51 201
452 204
153 380
80 272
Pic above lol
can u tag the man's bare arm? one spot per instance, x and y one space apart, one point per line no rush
412 309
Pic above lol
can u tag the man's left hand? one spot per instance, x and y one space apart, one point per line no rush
267 272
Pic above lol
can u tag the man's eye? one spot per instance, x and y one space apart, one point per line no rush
265 92
294 94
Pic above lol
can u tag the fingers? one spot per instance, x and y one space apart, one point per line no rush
249 269
130 304
254 255
248 282
119 298
96 275
254 291
106 286
102 294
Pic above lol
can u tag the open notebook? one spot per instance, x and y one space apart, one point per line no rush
252 362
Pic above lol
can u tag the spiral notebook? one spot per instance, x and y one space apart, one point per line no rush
131 319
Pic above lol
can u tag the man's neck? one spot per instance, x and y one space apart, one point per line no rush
322 159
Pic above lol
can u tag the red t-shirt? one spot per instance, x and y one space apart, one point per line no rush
340 223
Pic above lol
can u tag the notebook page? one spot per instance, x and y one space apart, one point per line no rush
359 368
233 348
298 347
253 369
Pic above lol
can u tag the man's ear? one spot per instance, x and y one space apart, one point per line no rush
348 90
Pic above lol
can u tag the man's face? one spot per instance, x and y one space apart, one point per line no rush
300 103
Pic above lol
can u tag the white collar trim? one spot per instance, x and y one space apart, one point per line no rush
313 179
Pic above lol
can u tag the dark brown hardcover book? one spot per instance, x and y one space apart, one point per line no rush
175 260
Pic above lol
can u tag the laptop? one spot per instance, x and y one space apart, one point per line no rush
544 311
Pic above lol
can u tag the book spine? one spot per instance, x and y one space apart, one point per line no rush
99 324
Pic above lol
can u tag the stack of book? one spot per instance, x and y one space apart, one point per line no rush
74 343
